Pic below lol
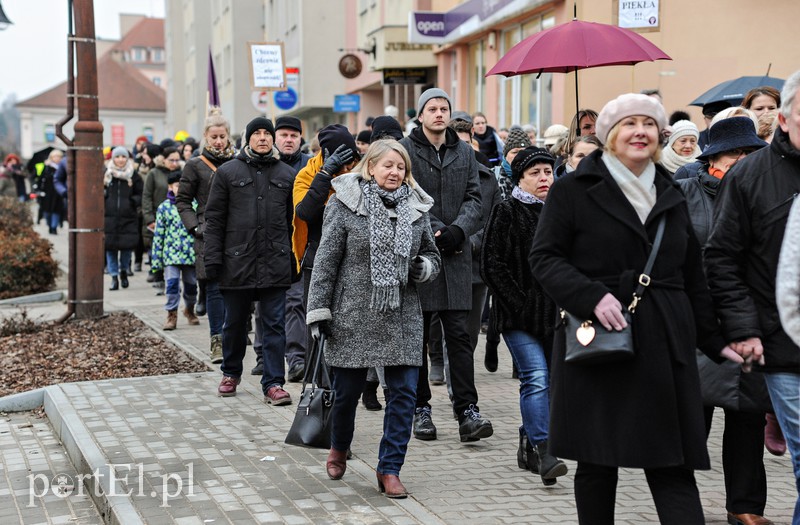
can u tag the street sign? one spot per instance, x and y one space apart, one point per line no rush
286 100
346 103
259 100
266 66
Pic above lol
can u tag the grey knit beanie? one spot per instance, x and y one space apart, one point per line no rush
516 139
433 93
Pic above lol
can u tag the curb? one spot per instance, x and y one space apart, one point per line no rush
92 466
46 297
22 401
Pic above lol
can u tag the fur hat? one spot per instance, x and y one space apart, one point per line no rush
527 158
516 139
289 123
257 124
428 94
683 128
120 150
628 105
386 127
333 136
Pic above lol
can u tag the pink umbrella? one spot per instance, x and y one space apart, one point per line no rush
576 45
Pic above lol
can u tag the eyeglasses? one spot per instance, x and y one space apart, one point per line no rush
738 152
174 161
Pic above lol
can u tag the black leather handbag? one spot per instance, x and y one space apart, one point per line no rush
587 345
312 421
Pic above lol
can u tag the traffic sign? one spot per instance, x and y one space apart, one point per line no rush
346 103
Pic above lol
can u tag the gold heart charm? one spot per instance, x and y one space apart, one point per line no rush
585 334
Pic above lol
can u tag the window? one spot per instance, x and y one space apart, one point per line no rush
158 55
477 80
157 81
138 54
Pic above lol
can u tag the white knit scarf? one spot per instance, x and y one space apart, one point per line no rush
640 191
672 161
124 173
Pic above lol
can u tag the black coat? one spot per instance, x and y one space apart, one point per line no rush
723 385
122 202
195 186
742 253
520 302
647 412
249 223
490 196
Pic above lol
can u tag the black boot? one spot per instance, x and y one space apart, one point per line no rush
200 307
370 396
490 360
550 467
123 278
114 283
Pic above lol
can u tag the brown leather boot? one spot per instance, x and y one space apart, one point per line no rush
336 464
391 486
172 320
190 316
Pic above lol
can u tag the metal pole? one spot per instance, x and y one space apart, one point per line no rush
87 223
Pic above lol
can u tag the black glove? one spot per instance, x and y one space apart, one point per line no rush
319 328
449 239
334 162
212 272
197 232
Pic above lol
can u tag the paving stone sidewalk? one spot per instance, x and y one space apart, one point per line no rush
233 467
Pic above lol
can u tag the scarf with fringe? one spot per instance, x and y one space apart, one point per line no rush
113 172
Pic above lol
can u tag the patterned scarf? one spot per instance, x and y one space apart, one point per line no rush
113 172
389 245
222 155
523 196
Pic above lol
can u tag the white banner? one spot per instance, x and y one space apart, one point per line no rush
638 14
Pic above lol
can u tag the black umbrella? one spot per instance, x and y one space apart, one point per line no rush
733 91
37 158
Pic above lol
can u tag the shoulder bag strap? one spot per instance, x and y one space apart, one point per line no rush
209 164
644 277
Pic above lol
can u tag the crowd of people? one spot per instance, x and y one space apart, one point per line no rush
402 242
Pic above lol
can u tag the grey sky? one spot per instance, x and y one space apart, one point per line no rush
33 50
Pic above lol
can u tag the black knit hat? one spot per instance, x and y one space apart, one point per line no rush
527 158
333 136
386 127
363 136
153 150
289 123
517 138
174 176
256 124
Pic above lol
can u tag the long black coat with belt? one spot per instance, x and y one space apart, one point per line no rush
249 223
647 412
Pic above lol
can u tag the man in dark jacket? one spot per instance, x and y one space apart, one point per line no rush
288 134
248 228
446 169
742 258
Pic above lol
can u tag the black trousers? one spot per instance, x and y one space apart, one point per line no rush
460 357
742 460
674 491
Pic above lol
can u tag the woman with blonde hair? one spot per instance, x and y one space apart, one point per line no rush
371 313
195 186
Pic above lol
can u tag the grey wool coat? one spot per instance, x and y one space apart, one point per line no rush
341 284
450 177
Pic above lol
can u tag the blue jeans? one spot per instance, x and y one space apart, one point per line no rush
234 332
172 275
398 417
784 391
534 395
215 308
116 260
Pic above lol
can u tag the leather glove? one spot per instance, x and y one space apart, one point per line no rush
319 328
334 162
449 239
212 272
416 270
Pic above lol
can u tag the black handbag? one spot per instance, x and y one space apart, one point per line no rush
312 421
587 345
